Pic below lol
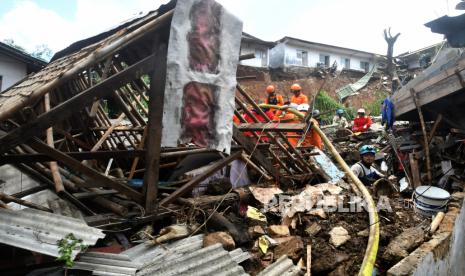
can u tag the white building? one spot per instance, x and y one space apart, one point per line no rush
15 65
261 49
421 58
291 51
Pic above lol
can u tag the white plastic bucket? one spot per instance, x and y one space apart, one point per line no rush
429 200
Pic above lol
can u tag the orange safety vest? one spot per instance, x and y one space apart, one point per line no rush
311 139
301 99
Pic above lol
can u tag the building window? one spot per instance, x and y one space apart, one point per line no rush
324 60
260 54
302 58
346 63
364 65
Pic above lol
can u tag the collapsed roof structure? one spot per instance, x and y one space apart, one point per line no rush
127 125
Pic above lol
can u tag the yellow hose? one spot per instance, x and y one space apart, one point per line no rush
373 240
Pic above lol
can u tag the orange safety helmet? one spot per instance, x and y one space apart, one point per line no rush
296 87
270 89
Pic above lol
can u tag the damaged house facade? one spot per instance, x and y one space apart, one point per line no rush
254 45
291 51
15 65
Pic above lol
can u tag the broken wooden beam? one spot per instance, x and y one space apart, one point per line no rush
156 95
65 109
88 172
199 178
82 155
7 198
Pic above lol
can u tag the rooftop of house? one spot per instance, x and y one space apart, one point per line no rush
298 40
250 38
34 64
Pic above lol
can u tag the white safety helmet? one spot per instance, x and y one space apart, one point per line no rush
293 105
303 107
361 110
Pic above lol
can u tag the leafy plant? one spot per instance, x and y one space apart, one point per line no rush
66 247
328 106
374 108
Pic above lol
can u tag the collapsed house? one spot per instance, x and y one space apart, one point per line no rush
126 141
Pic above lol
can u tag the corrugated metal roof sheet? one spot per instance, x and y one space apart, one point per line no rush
212 260
282 267
39 231
184 256
106 264
351 88
146 254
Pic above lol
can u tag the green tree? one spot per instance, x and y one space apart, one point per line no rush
11 42
43 52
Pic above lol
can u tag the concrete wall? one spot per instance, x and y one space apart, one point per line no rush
453 263
247 48
11 71
443 254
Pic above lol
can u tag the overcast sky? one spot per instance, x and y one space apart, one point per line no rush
356 24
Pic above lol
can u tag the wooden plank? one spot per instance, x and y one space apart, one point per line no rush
299 158
425 135
65 195
80 155
256 155
154 132
426 94
30 191
435 127
269 134
75 165
414 170
94 194
7 198
199 178
71 106
275 127
136 160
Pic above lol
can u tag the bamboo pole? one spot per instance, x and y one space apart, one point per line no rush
53 165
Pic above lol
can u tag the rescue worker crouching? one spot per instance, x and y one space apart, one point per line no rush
364 169
272 97
339 119
361 123
298 97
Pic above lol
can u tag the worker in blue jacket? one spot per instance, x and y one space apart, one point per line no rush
387 113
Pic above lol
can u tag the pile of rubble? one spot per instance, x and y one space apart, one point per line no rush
81 145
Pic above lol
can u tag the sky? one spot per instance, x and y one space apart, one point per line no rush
356 24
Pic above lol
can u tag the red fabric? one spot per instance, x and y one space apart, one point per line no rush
311 139
261 119
361 124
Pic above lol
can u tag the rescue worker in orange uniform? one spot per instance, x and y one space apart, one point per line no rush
298 97
272 97
312 138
